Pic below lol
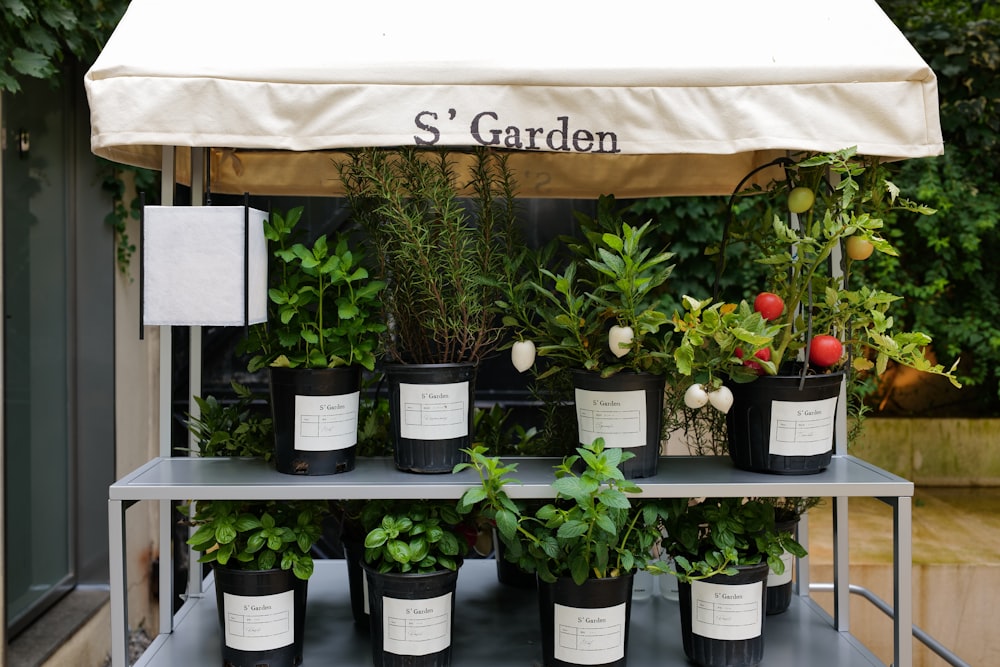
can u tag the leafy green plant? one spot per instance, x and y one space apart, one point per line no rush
593 529
791 508
240 428
602 312
714 536
258 535
413 536
325 307
248 534
443 248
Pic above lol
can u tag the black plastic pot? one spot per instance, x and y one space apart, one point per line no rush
626 409
431 411
780 424
322 438
740 616
508 573
261 617
411 617
354 553
779 587
584 624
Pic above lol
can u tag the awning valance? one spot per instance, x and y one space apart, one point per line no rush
632 98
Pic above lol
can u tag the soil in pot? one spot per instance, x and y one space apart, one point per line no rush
730 633
411 617
585 624
780 424
431 411
626 409
261 617
315 414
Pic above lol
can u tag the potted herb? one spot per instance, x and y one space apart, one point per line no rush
323 330
600 319
260 550
442 226
723 548
828 327
584 547
412 553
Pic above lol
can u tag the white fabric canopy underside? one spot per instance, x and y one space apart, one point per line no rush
632 98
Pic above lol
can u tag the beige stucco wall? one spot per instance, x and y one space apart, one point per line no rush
137 434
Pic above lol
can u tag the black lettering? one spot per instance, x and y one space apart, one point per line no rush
607 136
583 141
474 129
532 133
435 133
563 132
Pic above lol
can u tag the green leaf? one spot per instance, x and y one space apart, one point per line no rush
571 529
31 64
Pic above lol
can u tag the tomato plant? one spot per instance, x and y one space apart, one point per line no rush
859 248
825 350
801 199
769 305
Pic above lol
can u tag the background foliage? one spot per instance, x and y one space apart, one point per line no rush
37 35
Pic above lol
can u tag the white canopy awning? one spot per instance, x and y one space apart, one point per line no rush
629 97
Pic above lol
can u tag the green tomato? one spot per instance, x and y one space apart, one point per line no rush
859 248
800 199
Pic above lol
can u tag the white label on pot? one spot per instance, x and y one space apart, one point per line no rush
802 428
416 627
326 423
434 411
364 587
617 416
786 576
589 636
259 622
719 611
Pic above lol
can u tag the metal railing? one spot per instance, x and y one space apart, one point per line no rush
921 636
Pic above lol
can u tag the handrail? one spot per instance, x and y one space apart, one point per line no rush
924 638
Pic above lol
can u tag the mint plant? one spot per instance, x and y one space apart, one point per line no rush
593 529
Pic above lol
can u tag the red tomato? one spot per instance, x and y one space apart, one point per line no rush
764 354
769 305
825 350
